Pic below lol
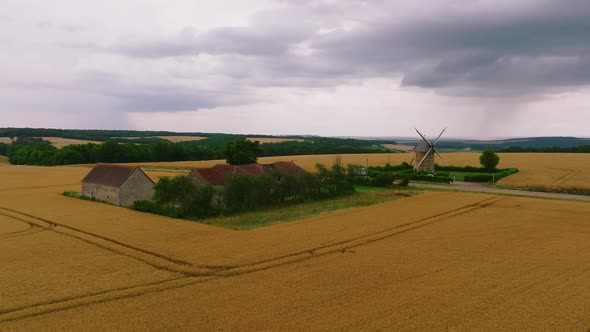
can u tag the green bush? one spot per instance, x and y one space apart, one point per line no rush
404 182
383 180
466 169
431 178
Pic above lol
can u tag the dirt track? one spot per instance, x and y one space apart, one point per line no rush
437 261
476 187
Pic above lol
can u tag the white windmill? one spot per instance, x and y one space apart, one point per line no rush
424 154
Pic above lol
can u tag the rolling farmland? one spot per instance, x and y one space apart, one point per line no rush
561 170
58 142
436 261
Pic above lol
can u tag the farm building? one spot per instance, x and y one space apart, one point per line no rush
117 184
217 174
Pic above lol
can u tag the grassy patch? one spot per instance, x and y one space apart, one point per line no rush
273 215
364 189
73 194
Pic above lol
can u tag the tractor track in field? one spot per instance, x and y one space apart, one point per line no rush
78 233
32 230
565 177
9 234
187 278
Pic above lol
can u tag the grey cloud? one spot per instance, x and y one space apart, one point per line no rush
157 96
527 49
266 36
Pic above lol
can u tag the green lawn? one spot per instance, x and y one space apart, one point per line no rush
365 196
364 189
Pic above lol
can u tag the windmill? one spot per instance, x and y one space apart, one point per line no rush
424 153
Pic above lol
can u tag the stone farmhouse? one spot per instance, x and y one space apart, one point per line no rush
218 174
117 184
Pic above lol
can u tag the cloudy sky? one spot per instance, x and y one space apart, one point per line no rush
484 68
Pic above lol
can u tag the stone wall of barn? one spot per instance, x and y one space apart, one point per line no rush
137 187
101 193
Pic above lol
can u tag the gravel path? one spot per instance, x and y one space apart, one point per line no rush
477 187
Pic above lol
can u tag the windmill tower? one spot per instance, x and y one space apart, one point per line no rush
424 154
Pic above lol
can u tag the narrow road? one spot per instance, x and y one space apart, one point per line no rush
477 187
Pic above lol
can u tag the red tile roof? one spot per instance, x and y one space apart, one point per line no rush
217 174
252 169
110 175
286 167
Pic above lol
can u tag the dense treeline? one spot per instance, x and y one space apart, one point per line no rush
183 197
553 149
109 152
35 151
90 135
105 135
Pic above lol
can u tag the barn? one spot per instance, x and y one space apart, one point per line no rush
117 184
217 174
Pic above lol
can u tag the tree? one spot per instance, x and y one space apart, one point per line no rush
164 192
241 151
489 160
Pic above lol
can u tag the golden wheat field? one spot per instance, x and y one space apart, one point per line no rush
398 147
437 261
60 142
263 140
177 139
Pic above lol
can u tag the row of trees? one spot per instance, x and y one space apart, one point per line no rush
237 150
182 197
43 153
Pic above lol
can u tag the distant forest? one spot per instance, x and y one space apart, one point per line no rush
554 149
28 148
528 144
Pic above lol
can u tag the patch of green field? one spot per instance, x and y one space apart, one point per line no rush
364 189
460 176
273 215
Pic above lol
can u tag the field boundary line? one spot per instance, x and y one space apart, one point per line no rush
563 178
341 242
354 243
32 230
139 256
113 241
3 235
107 296
187 269
139 290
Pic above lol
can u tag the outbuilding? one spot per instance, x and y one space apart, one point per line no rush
218 174
117 184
